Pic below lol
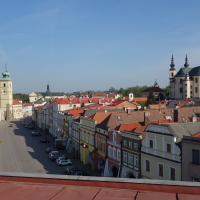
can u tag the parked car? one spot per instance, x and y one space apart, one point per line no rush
74 169
53 153
67 168
61 158
50 149
44 141
26 126
11 125
64 162
31 128
54 157
79 173
36 134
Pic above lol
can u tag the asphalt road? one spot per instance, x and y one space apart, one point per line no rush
21 152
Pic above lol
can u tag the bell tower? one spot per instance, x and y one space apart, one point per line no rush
6 96
130 95
172 70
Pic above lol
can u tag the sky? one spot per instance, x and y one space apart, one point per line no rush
80 45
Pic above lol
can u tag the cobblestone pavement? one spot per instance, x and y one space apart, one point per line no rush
21 152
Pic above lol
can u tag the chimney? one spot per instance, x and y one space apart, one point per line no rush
177 115
146 118
128 111
194 119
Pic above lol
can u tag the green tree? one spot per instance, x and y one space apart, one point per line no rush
126 92
121 91
167 91
143 104
112 89
151 99
120 98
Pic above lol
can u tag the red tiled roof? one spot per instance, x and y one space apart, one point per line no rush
99 117
142 99
157 106
196 135
15 102
75 112
99 94
153 89
129 127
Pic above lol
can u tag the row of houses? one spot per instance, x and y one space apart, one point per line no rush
123 141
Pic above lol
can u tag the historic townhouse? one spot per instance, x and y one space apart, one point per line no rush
61 119
113 161
130 155
87 138
76 138
160 155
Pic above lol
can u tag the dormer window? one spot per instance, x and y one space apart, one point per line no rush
119 118
195 111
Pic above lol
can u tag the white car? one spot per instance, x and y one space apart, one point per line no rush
33 132
61 158
53 153
64 162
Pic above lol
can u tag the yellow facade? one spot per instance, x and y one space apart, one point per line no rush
155 151
87 135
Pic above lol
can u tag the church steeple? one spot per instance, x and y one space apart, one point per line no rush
172 62
186 62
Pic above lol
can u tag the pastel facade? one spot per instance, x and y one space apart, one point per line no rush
160 156
87 139
113 161
17 110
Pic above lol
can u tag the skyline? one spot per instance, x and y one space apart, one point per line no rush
89 45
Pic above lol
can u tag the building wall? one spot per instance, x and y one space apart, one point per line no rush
17 111
154 170
189 170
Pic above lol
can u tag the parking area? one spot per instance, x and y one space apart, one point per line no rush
21 152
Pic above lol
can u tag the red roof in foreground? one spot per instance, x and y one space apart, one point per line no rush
33 186
196 135
75 112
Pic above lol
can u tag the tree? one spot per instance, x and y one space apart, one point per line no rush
112 89
143 104
126 92
121 91
120 98
167 91
151 99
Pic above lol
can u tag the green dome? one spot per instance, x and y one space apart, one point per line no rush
6 76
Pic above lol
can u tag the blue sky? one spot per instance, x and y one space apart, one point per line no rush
96 44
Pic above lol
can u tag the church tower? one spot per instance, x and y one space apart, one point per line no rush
6 96
130 96
172 70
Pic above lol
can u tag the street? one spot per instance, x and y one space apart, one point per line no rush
21 152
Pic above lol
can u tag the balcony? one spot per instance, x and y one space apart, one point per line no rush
195 170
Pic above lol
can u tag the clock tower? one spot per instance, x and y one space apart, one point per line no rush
6 96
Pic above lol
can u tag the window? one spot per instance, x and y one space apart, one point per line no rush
169 148
98 144
185 84
172 74
114 138
196 80
135 161
168 117
135 146
84 137
195 111
190 92
88 138
181 90
114 153
125 156
104 150
147 166
190 87
88 124
130 159
195 89
118 155
160 170
172 173
92 140
110 151
130 145
195 156
173 111
125 143
119 118
151 144
195 179
4 85
84 122
181 81
183 118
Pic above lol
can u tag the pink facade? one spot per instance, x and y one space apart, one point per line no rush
51 117
113 161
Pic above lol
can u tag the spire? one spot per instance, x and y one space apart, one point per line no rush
155 84
186 62
172 62
6 67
